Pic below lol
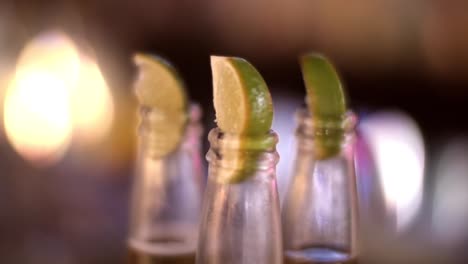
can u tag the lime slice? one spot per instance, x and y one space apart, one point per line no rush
159 88
158 84
244 112
326 102
242 101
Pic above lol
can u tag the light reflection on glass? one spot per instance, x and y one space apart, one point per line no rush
398 149
450 214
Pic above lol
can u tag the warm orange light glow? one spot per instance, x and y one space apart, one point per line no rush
37 102
52 52
36 116
5 79
56 93
92 105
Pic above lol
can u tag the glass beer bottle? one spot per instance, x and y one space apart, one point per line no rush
319 216
166 195
240 221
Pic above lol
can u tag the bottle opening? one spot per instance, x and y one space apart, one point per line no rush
309 126
237 158
162 133
327 137
233 151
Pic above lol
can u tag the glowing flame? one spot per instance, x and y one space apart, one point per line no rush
92 105
398 150
36 111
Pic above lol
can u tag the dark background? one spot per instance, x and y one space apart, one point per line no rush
405 55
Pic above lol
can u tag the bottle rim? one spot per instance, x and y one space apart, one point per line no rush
220 139
310 126
154 139
325 138
254 153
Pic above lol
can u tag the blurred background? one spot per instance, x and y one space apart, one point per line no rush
68 113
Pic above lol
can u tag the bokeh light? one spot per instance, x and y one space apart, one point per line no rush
5 79
36 116
53 52
36 109
91 103
56 95
397 146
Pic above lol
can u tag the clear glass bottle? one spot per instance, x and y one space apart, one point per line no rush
241 222
167 191
319 216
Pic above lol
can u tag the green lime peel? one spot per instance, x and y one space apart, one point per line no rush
326 103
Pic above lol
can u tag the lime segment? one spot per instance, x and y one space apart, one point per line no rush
158 84
244 112
159 88
241 98
326 102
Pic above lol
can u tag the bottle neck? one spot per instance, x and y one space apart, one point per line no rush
241 219
167 187
320 213
161 134
240 155
337 133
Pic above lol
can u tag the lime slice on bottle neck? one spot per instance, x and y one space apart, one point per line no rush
241 98
159 88
326 102
244 110
159 85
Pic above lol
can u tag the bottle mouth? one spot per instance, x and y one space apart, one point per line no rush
310 126
194 129
151 116
325 137
195 113
240 153
162 133
221 140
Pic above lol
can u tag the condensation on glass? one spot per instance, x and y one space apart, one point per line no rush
166 197
241 221
319 216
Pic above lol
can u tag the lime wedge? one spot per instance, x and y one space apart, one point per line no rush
326 102
159 88
242 101
244 113
158 84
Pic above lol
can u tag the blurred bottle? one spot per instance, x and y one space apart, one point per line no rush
320 210
166 198
241 221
